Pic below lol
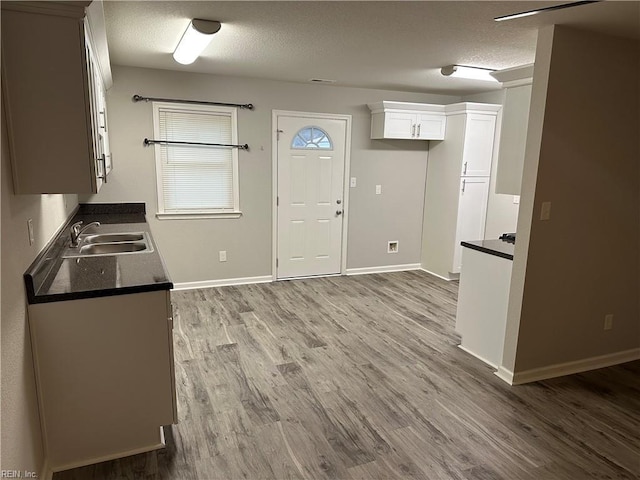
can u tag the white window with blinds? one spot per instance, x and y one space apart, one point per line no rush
196 181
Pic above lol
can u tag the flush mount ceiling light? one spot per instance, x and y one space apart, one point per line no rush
471 73
195 39
545 9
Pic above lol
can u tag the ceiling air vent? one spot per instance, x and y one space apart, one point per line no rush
321 80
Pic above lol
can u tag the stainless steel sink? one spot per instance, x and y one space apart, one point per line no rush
112 237
111 248
95 245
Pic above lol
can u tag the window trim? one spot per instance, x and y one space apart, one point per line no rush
161 213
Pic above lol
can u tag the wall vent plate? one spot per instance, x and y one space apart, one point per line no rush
392 246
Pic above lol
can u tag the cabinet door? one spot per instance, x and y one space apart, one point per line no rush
45 97
478 145
104 368
430 127
472 213
513 137
98 117
399 125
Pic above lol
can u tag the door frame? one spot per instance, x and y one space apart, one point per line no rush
274 185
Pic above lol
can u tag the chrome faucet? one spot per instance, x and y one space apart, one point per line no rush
76 231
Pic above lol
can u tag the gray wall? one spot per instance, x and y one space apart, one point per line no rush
582 155
21 438
190 247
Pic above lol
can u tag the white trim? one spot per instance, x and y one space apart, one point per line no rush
453 278
307 277
221 283
504 374
113 456
383 269
274 183
196 216
190 108
484 360
518 83
569 368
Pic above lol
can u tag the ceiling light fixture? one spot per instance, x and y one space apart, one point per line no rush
194 40
545 9
471 73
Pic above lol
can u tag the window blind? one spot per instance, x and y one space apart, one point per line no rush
196 178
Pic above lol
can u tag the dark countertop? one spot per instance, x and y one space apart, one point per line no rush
52 278
499 248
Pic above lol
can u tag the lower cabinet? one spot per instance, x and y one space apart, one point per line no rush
105 376
483 299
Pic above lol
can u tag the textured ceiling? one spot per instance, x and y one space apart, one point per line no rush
387 45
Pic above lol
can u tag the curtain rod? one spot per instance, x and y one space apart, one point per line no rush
139 98
148 142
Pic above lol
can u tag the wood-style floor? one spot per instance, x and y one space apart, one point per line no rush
360 378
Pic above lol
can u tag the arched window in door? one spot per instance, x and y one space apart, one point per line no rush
313 138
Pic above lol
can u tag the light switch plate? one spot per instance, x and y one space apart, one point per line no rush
378 189
353 182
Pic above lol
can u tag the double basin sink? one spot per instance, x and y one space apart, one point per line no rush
93 245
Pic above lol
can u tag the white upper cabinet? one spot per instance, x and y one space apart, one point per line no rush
55 107
409 121
515 121
478 145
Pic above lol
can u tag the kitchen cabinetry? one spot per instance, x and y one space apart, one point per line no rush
483 299
515 120
410 121
472 214
54 97
105 375
457 190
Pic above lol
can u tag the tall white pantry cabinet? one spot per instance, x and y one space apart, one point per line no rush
457 189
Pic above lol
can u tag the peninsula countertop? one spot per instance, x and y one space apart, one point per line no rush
52 278
499 248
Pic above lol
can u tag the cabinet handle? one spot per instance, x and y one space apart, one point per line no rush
419 125
464 185
465 168
413 130
103 177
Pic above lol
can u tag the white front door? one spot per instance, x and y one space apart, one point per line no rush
311 154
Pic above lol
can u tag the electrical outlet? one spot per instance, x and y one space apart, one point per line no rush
30 229
392 246
545 211
608 321
516 199
353 182
378 189
223 255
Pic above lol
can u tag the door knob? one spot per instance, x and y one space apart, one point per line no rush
338 212
338 202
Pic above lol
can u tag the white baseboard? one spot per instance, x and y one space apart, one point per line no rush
440 276
504 374
382 269
577 366
222 283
